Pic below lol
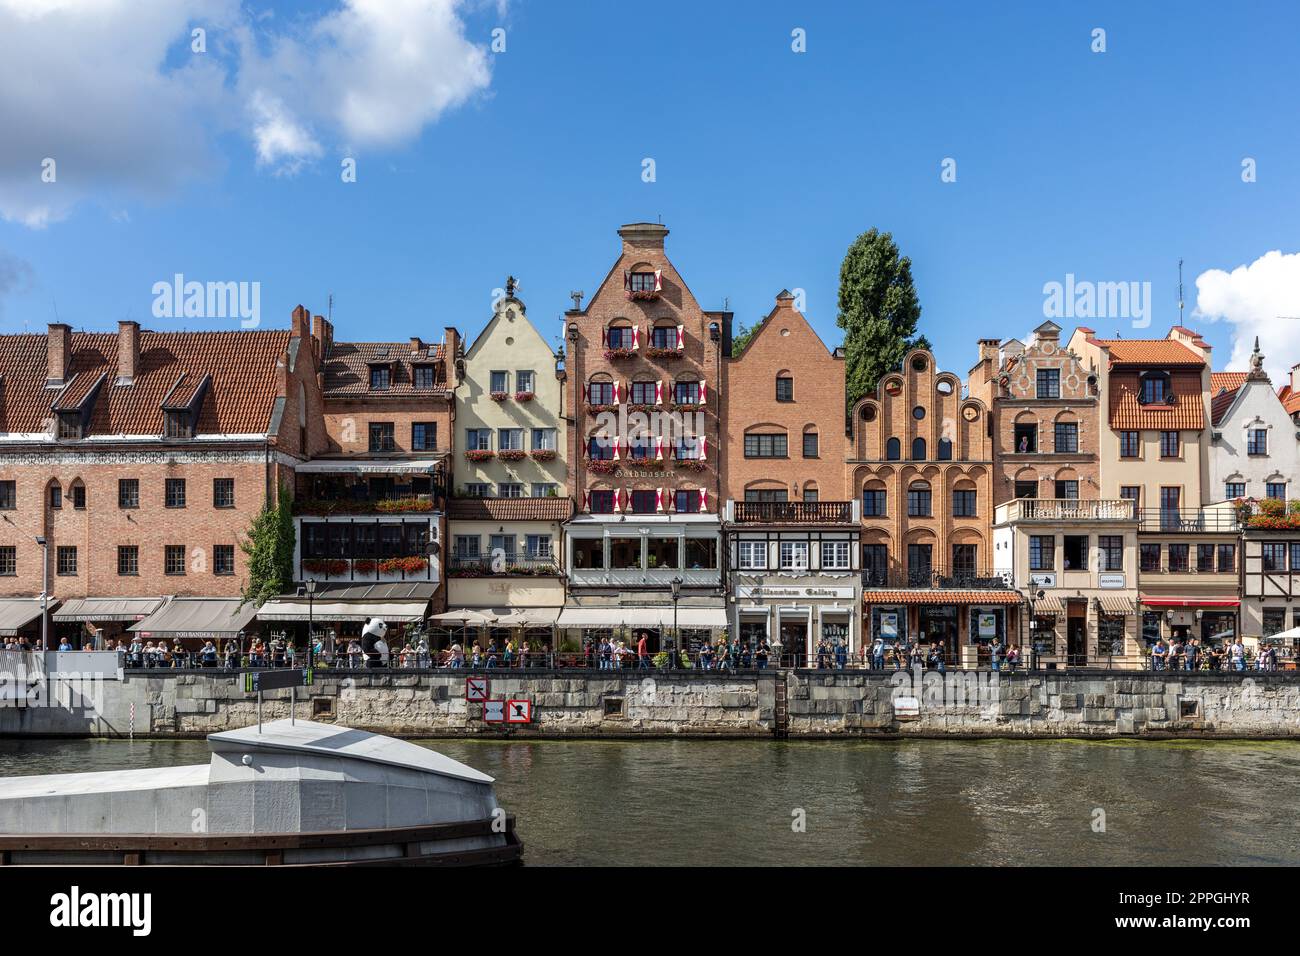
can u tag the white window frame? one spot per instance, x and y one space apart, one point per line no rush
835 555
505 489
792 548
549 440
510 439
473 553
751 555
478 439
522 376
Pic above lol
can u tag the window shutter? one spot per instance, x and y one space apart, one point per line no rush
704 501
704 449
586 393
659 280
627 280
586 501
604 337
617 442
659 392
659 499
636 337
681 337
659 448
618 389
704 392
618 494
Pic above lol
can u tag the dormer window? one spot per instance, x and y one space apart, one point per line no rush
70 425
381 377
1155 388
177 425
422 375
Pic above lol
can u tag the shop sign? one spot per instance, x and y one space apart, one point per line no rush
889 625
1111 580
1042 580
988 624
777 591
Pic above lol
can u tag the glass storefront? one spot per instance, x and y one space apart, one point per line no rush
987 623
1218 626
1110 635
889 623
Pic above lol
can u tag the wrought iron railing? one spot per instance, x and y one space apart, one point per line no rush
1189 520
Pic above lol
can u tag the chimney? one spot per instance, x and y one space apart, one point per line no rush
128 352
451 346
301 324
784 300
416 345
323 333
643 237
990 350
59 349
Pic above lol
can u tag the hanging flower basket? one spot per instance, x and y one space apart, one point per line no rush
479 454
523 396
330 567
613 355
543 454
364 566
598 409
400 505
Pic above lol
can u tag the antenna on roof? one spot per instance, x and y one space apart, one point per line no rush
330 308
55 302
1180 291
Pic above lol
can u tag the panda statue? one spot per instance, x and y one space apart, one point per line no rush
373 643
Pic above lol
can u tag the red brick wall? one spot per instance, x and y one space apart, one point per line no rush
347 422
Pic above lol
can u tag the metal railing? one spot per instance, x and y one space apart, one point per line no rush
1189 520
935 576
477 565
794 512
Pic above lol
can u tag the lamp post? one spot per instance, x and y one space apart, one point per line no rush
673 656
309 590
45 591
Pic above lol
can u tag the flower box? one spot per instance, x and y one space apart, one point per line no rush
642 295
598 409
523 396
403 505
408 565
479 454
543 454
600 466
664 353
690 464
512 454
500 396
364 566
612 355
640 407
330 567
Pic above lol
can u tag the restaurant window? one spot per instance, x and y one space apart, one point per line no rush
223 492
424 436
1067 488
1273 554
1074 552
873 502
1227 558
1274 620
1049 383
175 493
128 493
1148 557
835 555
602 502
1025 438
963 503
174 559
1151 626
588 553
662 552
1275 490
1067 437
1112 552
1178 558
701 554
687 501
128 560
1257 441
918 499
1218 626
794 555
1169 446
752 555
784 388
381 437
8 495
644 501
765 446
1130 445
423 376
1234 489
65 560
380 378
223 559
1110 634
1205 558
1026 489
1042 552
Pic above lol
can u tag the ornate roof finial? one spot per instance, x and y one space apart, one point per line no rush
510 287
1257 362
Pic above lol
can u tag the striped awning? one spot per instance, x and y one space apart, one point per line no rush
107 609
1116 604
942 596
1048 604
323 612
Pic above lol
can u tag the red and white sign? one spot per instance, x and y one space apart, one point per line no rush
476 689
519 711
494 711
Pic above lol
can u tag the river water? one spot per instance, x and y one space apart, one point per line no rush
921 802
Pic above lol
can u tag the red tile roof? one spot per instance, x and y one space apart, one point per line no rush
940 596
510 509
1223 390
1290 399
240 400
1183 413
347 368
1150 352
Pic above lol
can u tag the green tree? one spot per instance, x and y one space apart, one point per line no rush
269 547
878 311
743 336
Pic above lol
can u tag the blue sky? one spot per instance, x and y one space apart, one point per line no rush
1110 166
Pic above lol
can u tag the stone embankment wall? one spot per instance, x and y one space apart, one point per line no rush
632 704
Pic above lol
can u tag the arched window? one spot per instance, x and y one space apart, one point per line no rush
620 334
810 491
918 449
893 449
600 390
945 449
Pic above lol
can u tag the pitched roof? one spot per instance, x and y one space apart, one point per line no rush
1223 389
1184 411
240 398
510 509
1290 399
1150 352
347 368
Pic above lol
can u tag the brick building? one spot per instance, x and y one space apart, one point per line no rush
921 459
371 504
141 458
1072 553
647 392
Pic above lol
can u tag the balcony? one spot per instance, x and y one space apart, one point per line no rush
368 570
1189 520
508 565
792 512
935 577
395 504
1066 509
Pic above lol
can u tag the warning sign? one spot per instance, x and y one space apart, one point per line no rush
494 711
476 689
519 711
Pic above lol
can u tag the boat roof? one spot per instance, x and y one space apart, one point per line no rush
103 781
306 736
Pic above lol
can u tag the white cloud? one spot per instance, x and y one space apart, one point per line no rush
111 91
1251 298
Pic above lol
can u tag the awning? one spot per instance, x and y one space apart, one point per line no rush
1151 601
198 618
16 613
941 596
528 617
107 609
390 612
656 617
1049 604
1115 604
464 617
326 466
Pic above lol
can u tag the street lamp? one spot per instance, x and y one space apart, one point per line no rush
309 588
45 592
673 657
